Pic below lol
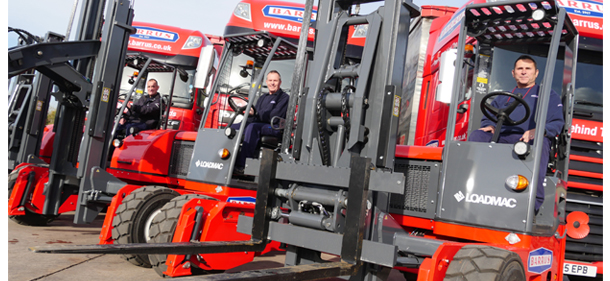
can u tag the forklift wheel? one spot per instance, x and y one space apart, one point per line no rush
478 262
30 218
134 216
164 225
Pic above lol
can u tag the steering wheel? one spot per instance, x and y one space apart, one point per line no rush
239 109
504 113
119 112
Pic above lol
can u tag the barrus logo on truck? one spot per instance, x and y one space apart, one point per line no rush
583 7
155 34
287 13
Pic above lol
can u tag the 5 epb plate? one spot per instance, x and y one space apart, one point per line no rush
579 269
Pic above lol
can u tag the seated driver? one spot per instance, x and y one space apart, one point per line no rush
525 73
145 113
275 103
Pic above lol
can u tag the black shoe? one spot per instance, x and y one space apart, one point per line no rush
238 171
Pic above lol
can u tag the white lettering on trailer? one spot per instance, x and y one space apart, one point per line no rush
286 27
584 130
148 45
588 24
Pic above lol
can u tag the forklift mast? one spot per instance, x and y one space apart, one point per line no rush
28 108
72 66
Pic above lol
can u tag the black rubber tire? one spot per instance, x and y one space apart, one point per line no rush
164 225
30 218
485 263
131 218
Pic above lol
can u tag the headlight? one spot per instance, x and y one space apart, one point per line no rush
117 143
242 11
517 182
230 133
521 148
193 42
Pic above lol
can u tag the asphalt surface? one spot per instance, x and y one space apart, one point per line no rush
26 265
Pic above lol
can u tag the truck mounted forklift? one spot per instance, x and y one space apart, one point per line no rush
342 187
155 164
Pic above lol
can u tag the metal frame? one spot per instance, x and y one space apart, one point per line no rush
484 25
78 95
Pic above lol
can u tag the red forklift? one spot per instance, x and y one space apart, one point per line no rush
339 184
424 115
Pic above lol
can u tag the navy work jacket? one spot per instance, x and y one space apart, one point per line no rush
554 118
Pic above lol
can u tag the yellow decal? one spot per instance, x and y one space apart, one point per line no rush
396 110
482 80
105 94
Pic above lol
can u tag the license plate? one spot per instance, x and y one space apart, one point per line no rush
579 269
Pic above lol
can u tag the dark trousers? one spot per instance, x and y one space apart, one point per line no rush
481 136
251 137
128 125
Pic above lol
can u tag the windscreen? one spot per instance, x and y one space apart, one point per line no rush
239 67
182 96
589 80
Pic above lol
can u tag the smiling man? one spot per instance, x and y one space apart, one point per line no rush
275 103
525 72
145 113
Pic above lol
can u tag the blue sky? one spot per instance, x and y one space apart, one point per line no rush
208 16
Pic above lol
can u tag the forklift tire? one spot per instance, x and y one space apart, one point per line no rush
478 262
30 218
163 227
135 215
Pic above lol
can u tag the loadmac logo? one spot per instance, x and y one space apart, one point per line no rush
155 34
486 200
540 260
287 13
209 165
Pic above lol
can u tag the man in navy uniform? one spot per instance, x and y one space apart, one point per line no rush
145 113
525 73
275 103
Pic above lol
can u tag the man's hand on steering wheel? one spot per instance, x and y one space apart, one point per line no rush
240 109
498 114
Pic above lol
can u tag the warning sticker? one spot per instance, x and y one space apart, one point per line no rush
105 94
396 110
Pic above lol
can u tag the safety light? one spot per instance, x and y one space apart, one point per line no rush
469 48
117 143
538 14
224 153
517 182
262 42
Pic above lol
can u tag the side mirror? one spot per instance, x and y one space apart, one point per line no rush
445 77
183 75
